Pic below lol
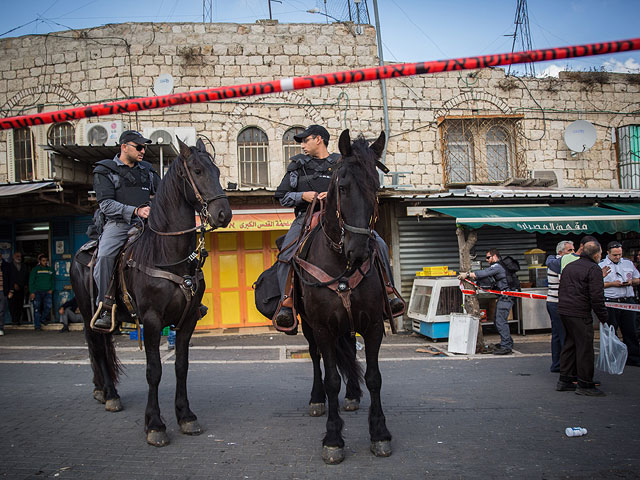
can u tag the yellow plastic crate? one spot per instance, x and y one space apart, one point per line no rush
433 271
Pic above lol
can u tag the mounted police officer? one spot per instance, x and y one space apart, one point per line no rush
308 175
124 186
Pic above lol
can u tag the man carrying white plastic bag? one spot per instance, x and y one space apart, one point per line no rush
581 290
613 353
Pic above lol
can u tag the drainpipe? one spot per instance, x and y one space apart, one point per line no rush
383 85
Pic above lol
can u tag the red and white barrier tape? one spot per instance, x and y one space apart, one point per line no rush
536 296
620 306
624 306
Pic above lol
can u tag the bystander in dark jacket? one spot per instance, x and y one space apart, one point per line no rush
581 291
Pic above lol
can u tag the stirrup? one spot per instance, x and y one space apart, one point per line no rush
290 329
101 306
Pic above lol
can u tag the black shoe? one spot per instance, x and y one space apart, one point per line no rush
502 351
104 322
285 318
396 306
64 329
590 392
563 386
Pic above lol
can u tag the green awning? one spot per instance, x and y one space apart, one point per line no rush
633 208
546 219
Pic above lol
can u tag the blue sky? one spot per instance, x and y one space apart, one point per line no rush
412 30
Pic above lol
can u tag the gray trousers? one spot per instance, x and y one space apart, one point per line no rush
114 235
503 307
70 316
294 232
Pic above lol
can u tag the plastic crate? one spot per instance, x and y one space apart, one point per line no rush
134 334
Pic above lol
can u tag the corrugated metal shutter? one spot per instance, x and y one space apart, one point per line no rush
433 241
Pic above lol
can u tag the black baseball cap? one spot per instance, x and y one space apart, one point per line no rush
133 136
313 130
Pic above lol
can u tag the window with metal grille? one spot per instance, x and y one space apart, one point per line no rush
482 150
61 134
253 147
289 146
628 149
23 145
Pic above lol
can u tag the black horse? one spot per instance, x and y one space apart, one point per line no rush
339 291
164 281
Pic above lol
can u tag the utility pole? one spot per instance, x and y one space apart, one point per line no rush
269 2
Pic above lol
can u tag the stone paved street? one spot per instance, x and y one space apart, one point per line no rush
479 416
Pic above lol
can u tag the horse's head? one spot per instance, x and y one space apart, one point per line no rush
203 176
353 194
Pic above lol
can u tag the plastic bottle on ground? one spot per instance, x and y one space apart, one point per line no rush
575 431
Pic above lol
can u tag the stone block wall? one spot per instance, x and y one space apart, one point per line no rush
68 69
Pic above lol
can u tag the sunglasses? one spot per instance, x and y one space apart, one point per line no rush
137 147
488 257
615 245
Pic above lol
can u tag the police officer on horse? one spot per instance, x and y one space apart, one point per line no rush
308 175
124 186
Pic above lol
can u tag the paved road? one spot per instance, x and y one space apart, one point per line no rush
451 417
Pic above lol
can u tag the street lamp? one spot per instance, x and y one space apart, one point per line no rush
358 29
317 10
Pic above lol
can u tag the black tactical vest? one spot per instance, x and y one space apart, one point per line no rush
133 186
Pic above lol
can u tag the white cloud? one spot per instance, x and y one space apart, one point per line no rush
628 66
551 71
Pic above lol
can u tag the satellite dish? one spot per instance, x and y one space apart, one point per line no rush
163 84
580 136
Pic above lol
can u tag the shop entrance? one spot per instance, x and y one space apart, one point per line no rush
32 239
235 261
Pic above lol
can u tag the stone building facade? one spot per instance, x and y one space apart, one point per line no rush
65 69
447 130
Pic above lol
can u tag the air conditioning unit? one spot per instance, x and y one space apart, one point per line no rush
100 133
165 135
545 178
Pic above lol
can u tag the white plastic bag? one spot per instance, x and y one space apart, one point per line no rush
613 353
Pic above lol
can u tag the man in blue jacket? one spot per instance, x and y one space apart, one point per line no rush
495 277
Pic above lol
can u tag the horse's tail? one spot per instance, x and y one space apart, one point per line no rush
348 365
102 345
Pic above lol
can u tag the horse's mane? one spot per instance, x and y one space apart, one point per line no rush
361 165
151 249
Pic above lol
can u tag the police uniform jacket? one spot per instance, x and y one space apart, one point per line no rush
493 276
120 189
304 174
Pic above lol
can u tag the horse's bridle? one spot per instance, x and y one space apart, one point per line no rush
204 211
338 246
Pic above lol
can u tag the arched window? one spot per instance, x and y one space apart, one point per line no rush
498 154
253 147
289 146
23 148
61 134
460 154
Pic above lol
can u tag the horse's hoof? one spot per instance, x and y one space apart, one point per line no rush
157 438
191 428
316 409
332 455
113 405
99 395
381 449
351 404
